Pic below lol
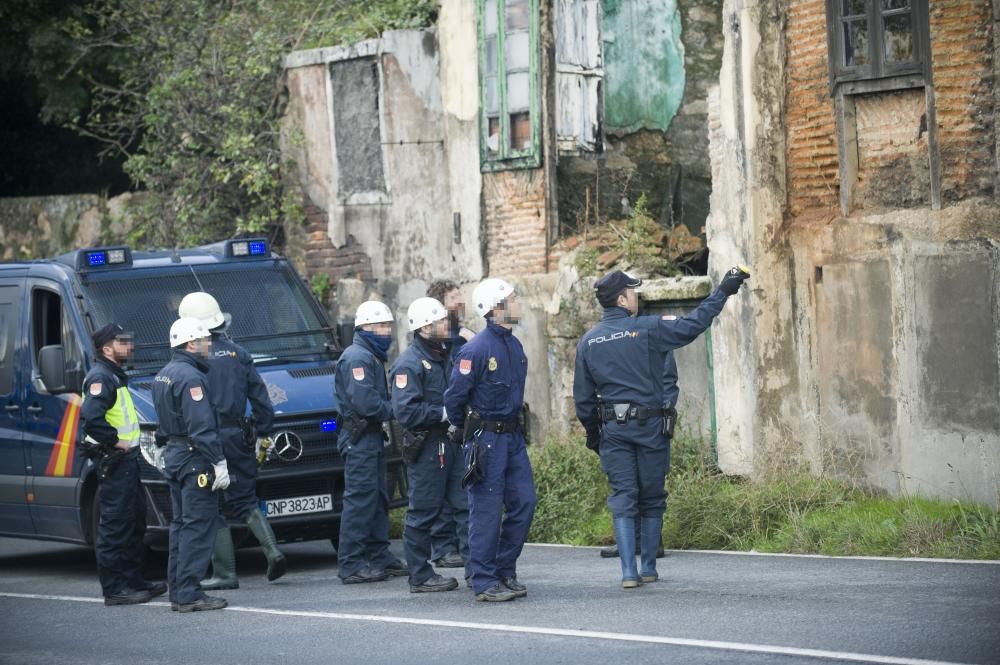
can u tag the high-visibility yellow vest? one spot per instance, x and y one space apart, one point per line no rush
122 417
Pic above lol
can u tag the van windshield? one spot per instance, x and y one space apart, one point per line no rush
272 315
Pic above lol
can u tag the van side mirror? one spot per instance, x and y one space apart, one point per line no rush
52 367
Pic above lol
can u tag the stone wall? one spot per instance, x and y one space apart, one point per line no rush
44 226
867 346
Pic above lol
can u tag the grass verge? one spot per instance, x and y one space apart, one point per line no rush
791 513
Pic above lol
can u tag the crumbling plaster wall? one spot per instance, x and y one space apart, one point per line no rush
428 126
867 346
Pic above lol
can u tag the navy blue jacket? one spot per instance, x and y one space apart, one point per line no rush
623 358
100 392
488 375
418 385
184 405
359 383
233 380
671 391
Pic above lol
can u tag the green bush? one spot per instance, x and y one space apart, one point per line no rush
572 491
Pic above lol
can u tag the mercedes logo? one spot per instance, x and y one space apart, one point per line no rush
288 446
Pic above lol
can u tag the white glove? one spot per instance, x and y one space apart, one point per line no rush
444 414
221 476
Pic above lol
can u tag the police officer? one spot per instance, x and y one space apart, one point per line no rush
671 392
419 377
232 381
483 403
111 429
444 532
194 464
618 388
363 398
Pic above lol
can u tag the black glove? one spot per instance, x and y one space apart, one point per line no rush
455 435
594 440
731 283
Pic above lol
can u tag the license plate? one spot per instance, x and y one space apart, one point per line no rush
298 505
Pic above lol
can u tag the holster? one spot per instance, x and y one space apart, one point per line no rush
109 462
413 443
247 426
525 423
669 421
475 470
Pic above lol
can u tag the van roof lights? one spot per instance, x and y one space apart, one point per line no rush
248 248
103 257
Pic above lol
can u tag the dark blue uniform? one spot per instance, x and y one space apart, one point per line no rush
361 390
119 547
444 531
489 377
189 426
233 380
419 379
623 359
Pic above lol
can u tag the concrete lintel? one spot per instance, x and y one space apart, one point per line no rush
328 54
675 288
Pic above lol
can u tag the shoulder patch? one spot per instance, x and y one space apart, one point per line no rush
492 366
197 394
95 388
401 380
358 373
426 363
465 366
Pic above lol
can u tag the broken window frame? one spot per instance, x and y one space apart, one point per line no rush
876 68
507 158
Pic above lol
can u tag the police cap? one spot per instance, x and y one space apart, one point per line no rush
611 285
108 333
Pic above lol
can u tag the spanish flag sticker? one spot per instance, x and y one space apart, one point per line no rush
359 373
197 394
401 380
465 366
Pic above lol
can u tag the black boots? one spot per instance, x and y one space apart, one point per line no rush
223 563
277 565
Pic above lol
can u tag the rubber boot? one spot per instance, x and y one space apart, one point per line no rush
625 535
649 542
223 563
276 562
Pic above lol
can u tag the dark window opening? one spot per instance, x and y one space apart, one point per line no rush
8 330
51 325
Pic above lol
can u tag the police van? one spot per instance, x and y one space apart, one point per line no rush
48 311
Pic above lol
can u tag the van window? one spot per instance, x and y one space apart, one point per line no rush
273 316
50 324
8 331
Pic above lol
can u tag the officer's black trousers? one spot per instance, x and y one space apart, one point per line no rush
241 495
119 547
364 521
193 524
636 458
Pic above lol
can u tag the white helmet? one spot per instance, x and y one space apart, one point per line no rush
187 330
489 293
424 311
202 306
372 311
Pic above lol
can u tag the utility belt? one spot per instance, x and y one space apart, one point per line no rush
414 440
476 423
246 427
355 427
622 413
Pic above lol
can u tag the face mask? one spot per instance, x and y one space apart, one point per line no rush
381 343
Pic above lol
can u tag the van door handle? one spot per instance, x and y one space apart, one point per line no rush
34 408
10 408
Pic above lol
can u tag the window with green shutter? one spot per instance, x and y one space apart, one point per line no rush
509 99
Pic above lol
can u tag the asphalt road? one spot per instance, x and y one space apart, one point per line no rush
708 608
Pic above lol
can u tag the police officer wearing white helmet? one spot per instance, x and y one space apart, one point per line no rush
363 400
433 464
233 382
484 400
194 464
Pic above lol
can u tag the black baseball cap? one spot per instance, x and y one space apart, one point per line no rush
110 332
611 285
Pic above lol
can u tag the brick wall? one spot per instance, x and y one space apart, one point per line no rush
813 181
514 214
893 164
961 58
321 256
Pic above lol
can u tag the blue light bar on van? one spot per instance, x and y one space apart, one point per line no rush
250 248
328 426
104 257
